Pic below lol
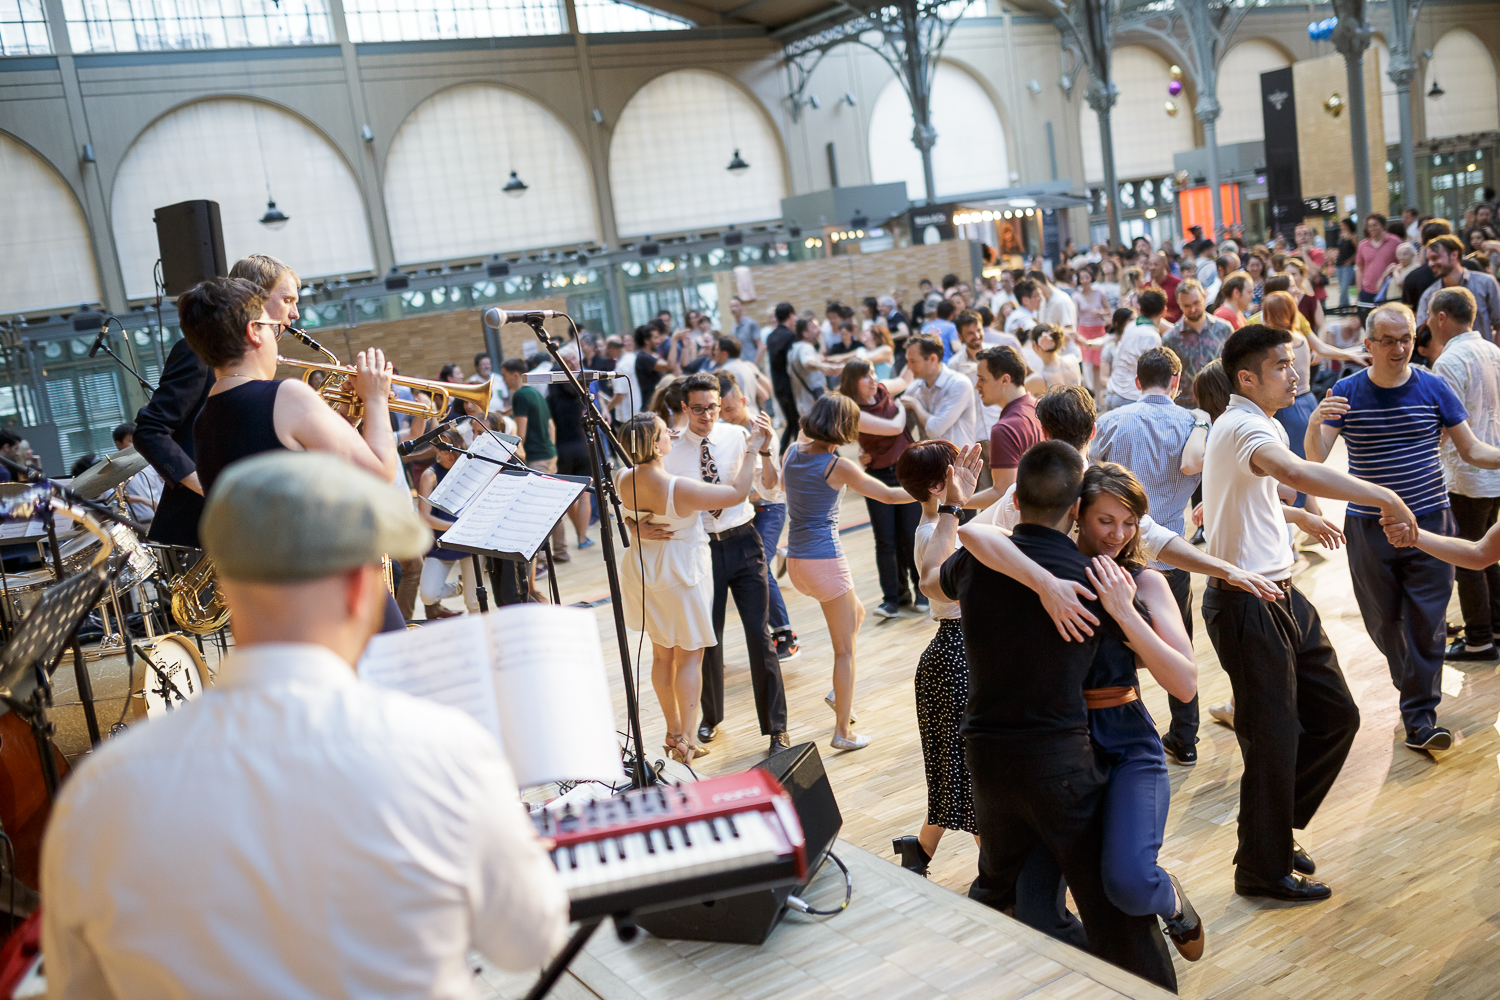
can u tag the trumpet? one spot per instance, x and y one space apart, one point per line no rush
337 389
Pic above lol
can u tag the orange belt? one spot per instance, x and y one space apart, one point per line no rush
1110 697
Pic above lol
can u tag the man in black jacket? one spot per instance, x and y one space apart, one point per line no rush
164 426
778 343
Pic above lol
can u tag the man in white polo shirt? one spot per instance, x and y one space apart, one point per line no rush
1294 716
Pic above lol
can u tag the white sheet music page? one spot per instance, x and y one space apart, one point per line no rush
470 475
531 513
448 662
552 694
484 513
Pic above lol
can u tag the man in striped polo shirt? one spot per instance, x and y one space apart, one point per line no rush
1393 417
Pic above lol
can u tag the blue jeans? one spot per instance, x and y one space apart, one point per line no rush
1346 283
1403 599
769 519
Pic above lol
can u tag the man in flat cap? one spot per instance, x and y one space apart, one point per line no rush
293 832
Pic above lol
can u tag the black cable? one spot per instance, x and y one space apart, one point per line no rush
801 906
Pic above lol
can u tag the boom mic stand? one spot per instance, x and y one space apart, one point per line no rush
596 426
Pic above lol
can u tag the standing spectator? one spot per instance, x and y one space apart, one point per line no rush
966 363
534 427
815 479
1344 261
1002 383
1471 366
1312 260
652 359
805 367
778 343
1421 277
1138 338
1196 338
566 407
942 399
627 400
1049 366
1237 294
1093 313
1023 317
1393 417
755 386
1377 252
895 320
1255 266
1163 278
882 439
943 328
1407 261
1445 257
1059 312
1163 444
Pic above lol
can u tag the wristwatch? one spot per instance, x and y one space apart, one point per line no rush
765 454
950 508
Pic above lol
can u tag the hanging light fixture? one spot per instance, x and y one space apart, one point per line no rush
1436 91
737 165
515 187
274 218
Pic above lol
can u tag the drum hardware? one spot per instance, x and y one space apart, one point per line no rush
173 673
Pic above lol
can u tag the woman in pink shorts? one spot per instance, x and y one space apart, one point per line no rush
1093 313
815 478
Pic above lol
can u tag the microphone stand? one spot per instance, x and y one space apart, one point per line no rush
101 343
595 427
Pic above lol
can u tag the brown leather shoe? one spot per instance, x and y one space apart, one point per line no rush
436 611
1186 930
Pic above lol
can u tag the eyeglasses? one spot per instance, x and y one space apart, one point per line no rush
280 327
1401 342
700 411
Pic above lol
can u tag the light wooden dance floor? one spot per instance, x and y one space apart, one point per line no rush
1411 846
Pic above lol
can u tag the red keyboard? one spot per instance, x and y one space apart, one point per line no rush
672 844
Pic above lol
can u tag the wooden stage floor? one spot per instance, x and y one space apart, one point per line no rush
1411 846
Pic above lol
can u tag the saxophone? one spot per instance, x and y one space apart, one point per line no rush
196 603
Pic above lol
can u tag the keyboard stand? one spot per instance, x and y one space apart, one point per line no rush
559 965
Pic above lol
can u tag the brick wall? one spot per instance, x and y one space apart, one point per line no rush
811 284
1323 143
419 346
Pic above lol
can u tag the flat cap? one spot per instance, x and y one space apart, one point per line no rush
287 516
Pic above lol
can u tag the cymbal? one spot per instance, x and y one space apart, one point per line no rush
106 475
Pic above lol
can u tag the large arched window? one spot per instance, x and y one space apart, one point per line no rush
44 239
1241 119
240 153
669 157
970 155
1145 135
448 166
1463 67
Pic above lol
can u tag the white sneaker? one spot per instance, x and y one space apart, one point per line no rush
1223 714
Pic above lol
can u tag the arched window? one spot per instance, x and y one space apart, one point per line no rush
1145 135
1241 119
240 153
970 155
669 157
1462 65
44 239
450 161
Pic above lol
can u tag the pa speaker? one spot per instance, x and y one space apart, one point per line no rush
191 241
750 917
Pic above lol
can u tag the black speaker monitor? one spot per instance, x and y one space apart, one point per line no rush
750 917
191 241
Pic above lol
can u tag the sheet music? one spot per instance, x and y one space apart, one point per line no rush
552 695
448 662
513 514
12 530
470 475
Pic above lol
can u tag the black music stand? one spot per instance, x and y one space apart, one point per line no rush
27 660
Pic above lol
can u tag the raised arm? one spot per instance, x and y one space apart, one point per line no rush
1318 439
1470 448
992 546
301 416
1162 644
693 494
869 423
846 473
1277 461
962 475
1324 349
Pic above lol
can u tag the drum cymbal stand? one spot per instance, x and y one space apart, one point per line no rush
80 668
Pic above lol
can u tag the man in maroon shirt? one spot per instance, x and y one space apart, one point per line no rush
1163 278
1002 382
1377 251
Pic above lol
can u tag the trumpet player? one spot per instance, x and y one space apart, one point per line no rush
249 411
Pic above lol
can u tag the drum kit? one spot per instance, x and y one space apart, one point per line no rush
131 678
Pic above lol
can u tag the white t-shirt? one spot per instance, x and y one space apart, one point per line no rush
1005 514
940 609
627 403
1138 338
744 373
1242 515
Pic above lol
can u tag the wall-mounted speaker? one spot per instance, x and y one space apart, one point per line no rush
190 239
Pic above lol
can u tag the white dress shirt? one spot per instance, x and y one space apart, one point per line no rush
950 403
728 443
969 368
294 833
1471 365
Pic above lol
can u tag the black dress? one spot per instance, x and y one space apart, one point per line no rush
942 684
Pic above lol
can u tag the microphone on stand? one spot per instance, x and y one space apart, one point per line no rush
557 375
495 318
98 342
407 447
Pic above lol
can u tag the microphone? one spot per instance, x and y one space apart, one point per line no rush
407 447
496 318
555 375
98 342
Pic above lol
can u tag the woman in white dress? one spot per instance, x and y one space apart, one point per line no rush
668 585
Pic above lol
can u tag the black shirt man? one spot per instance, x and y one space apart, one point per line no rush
778 343
1026 733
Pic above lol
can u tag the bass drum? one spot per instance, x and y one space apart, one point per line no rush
169 671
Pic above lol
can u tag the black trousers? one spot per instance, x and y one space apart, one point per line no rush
1184 728
788 404
1054 799
895 529
1293 716
1478 589
740 567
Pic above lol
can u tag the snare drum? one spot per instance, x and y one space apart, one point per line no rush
79 553
23 591
169 670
